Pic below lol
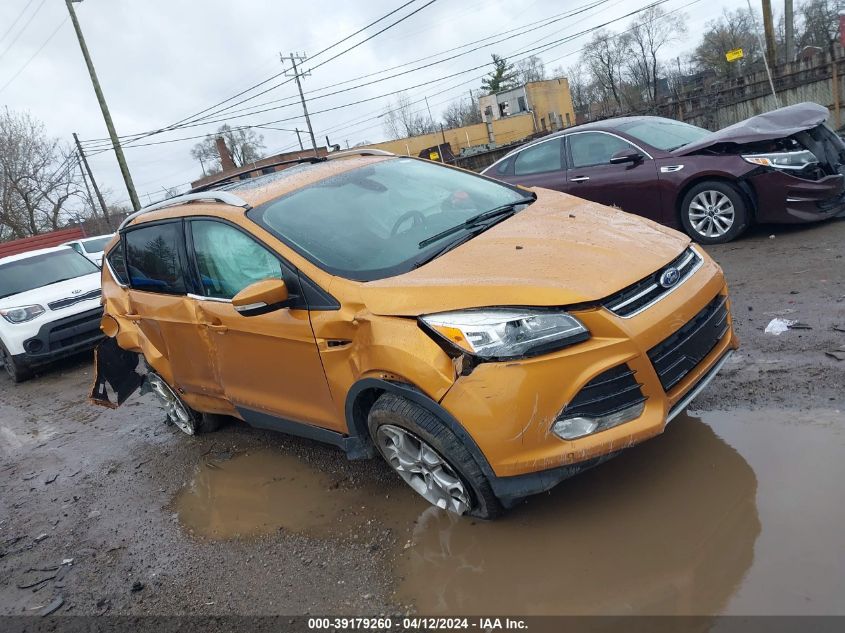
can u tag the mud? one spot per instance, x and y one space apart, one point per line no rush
737 509
710 518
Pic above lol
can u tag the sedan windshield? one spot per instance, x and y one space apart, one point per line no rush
379 220
664 134
42 270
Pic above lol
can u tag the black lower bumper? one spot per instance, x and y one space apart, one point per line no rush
61 338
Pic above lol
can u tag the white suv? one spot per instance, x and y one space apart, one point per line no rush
91 247
49 308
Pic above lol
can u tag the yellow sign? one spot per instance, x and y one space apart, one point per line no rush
734 55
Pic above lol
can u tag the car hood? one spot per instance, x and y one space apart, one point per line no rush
561 250
776 124
47 294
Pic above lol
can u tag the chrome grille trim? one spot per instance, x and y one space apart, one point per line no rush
72 301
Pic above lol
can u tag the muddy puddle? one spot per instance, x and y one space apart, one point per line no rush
734 512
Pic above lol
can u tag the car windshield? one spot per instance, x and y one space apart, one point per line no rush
369 222
96 245
664 134
42 270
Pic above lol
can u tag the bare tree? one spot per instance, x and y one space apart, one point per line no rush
581 87
38 179
605 55
650 33
530 69
818 23
733 29
461 112
401 120
244 145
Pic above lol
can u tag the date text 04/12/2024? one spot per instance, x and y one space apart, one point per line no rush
418 623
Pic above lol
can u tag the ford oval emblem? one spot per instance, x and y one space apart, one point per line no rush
670 277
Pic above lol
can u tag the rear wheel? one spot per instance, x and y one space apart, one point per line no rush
188 420
16 371
430 458
714 212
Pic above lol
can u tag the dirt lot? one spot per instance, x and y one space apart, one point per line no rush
116 512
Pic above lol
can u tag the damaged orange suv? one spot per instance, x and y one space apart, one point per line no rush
488 341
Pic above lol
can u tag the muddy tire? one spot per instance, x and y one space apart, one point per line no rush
12 368
430 458
714 212
188 420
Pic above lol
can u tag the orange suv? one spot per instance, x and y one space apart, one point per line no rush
487 340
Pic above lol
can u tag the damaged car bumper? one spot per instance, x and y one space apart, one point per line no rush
783 198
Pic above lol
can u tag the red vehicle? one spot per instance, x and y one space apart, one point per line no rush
785 166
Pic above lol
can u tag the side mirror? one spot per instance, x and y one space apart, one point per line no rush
623 156
261 297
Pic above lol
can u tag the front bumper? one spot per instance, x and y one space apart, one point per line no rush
783 198
509 407
63 337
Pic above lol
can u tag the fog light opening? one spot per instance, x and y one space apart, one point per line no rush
579 426
33 346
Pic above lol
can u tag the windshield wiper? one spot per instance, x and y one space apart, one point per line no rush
502 211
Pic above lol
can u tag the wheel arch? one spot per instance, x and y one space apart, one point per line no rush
741 184
363 395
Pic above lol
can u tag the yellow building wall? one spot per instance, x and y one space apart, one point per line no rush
506 130
548 96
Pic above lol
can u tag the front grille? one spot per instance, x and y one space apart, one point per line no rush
639 296
610 392
677 355
71 301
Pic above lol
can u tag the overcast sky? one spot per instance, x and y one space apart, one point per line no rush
160 61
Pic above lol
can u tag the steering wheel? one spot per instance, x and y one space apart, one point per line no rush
417 217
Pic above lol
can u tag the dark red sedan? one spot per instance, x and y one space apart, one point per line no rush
785 166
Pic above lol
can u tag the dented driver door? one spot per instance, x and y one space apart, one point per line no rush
268 366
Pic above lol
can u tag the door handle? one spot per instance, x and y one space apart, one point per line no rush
132 317
579 179
217 328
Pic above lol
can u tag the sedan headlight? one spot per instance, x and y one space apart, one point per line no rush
21 314
783 160
507 332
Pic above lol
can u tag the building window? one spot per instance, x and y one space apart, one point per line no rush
521 102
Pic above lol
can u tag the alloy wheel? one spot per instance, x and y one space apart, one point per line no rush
423 468
175 409
711 213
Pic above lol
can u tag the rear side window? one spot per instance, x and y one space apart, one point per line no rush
228 260
117 263
539 158
154 260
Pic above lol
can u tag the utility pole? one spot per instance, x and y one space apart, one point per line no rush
789 30
769 31
296 75
299 138
760 41
118 150
93 182
430 118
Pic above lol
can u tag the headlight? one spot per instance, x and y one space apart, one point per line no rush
21 314
783 160
507 333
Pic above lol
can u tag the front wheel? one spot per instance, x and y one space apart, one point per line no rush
15 370
714 212
430 458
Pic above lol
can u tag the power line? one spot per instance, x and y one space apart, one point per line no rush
41 48
23 28
261 83
16 20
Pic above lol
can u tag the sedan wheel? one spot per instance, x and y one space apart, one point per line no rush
423 468
176 410
711 213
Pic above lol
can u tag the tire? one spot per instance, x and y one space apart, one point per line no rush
714 212
393 420
188 420
16 371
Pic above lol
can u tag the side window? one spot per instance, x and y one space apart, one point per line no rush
75 246
118 264
538 159
593 148
154 262
229 260
504 166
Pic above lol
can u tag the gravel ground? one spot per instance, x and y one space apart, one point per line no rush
97 486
